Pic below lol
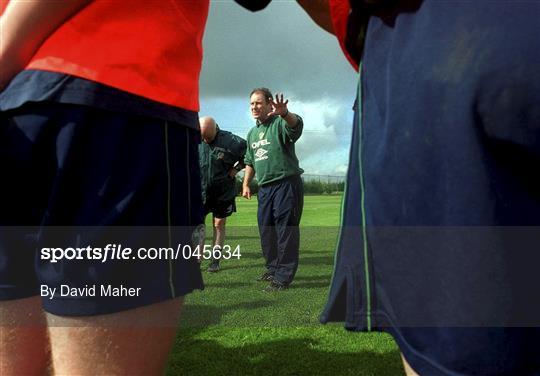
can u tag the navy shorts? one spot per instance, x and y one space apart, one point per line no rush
78 177
221 209
441 221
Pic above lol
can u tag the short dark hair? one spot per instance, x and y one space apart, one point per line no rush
262 90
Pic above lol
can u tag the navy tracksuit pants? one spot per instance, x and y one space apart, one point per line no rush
279 213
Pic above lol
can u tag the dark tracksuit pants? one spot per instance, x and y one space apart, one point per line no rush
279 213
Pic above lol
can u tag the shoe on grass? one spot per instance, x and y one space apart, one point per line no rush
213 267
266 277
276 286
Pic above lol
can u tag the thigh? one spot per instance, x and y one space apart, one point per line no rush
288 202
265 207
80 345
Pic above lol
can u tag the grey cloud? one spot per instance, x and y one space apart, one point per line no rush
279 47
327 130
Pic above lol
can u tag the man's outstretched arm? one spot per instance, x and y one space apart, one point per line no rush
24 26
319 11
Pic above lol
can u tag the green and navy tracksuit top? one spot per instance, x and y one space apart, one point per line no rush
271 150
216 160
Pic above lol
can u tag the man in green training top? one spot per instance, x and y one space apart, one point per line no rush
270 155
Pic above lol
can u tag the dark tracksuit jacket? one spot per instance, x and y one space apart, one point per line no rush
216 160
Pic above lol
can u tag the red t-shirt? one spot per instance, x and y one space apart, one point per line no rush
339 11
151 48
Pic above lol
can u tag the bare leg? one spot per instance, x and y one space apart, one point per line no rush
408 370
134 342
24 345
214 232
219 231
217 241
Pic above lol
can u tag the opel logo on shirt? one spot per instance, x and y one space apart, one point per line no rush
260 143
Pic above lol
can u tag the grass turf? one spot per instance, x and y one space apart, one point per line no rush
234 328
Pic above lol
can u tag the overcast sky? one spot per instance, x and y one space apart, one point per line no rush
282 49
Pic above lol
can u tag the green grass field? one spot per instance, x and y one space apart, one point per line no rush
234 328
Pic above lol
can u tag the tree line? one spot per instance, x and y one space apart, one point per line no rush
315 187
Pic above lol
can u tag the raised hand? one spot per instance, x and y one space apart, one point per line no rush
279 107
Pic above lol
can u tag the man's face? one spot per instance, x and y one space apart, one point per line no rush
260 107
207 139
